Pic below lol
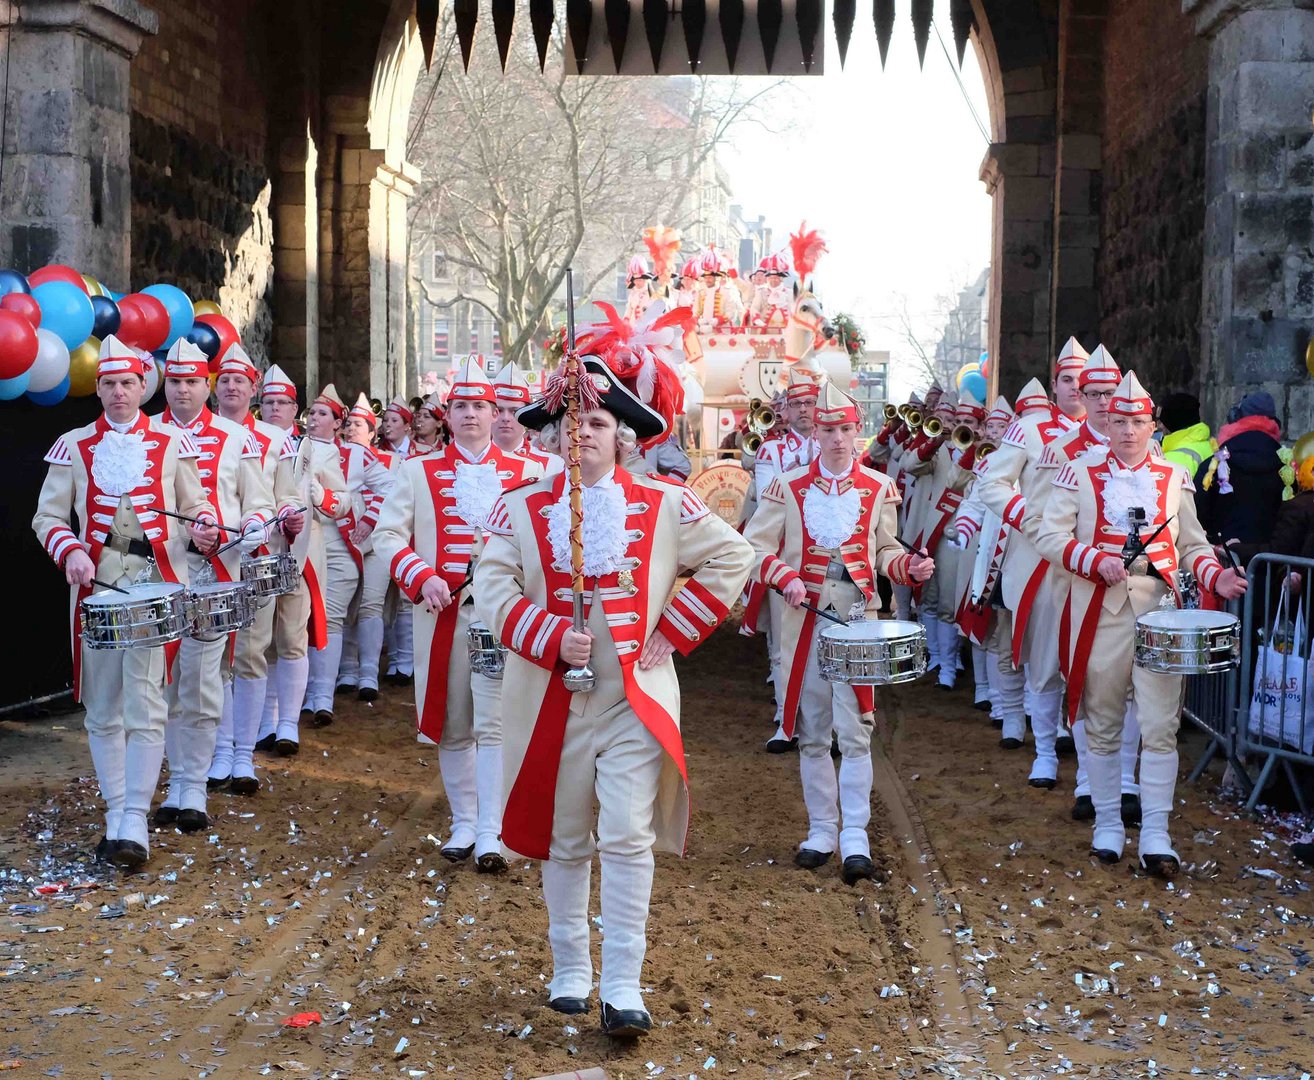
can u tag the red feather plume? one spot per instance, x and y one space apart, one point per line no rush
663 246
808 247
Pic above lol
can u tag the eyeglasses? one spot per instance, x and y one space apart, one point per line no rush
1099 395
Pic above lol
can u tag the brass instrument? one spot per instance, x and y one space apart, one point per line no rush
376 406
751 442
962 437
891 411
764 418
913 418
304 418
985 450
932 428
416 403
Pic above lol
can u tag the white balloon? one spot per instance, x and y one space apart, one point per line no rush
152 376
51 364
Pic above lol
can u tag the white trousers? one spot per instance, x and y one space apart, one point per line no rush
195 699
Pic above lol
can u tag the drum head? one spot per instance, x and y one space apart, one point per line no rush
151 590
216 588
871 630
1187 619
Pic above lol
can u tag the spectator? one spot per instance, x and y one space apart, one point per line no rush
1239 489
1186 440
1293 533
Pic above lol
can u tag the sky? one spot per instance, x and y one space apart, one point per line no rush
885 163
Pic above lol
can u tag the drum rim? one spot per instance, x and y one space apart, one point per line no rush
109 598
838 633
1196 619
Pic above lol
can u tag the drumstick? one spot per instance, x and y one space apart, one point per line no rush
195 521
912 550
815 610
107 585
1143 545
271 525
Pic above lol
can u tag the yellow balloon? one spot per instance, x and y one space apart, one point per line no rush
82 368
206 307
94 287
1304 446
1309 356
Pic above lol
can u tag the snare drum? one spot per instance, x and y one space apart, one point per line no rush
1187 642
219 608
149 615
271 575
872 653
487 657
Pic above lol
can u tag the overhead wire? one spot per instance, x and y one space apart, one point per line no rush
953 70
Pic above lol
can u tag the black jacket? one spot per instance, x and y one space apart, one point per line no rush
1249 513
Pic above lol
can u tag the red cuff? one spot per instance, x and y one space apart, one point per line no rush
534 634
900 569
410 572
776 573
691 616
1014 511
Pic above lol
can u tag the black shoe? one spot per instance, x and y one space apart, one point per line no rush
492 863
127 854
1105 855
1042 782
287 747
105 849
1131 811
367 694
781 746
834 747
244 785
344 688
193 820
266 745
1083 809
322 718
1010 744
165 817
810 859
457 854
1064 746
1160 866
1303 852
997 721
983 706
625 1023
401 678
214 784
857 868
569 1005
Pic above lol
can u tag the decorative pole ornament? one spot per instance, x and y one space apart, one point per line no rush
580 680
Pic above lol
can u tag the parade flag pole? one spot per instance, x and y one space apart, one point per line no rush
580 680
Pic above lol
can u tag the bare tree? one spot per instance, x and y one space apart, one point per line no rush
528 173
939 341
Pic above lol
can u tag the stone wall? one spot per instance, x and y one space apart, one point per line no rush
200 174
1153 213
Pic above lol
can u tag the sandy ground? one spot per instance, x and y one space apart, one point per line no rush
997 947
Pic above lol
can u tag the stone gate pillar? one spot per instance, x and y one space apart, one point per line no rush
1258 301
65 188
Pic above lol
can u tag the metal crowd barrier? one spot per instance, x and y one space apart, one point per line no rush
1273 725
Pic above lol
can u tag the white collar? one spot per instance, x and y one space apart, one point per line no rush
1099 437
470 455
123 429
606 480
830 475
1118 465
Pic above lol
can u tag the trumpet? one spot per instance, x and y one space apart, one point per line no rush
891 411
985 450
932 428
415 403
376 406
962 437
751 442
764 418
912 417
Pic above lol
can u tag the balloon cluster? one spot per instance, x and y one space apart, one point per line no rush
53 320
971 379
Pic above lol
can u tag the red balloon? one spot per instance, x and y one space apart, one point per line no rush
18 344
148 325
228 335
56 272
24 305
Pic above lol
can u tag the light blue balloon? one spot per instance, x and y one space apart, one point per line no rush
974 383
115 296
179 306
15 387
65 311
53 396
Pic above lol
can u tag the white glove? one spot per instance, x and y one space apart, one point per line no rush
957 539
317 493
254 535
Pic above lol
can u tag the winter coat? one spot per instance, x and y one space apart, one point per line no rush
1249 511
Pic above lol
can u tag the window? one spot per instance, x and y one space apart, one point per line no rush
440 268
440 347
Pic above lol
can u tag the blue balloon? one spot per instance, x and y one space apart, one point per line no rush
178 305
107 317
13 281
115 296
53 396
65 311
15 387
974 383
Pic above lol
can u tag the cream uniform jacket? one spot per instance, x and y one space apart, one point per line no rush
151 465
525 599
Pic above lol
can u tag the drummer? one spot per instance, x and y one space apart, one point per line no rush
821 534
107 476
231 468
430 531
1085 531
244 693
